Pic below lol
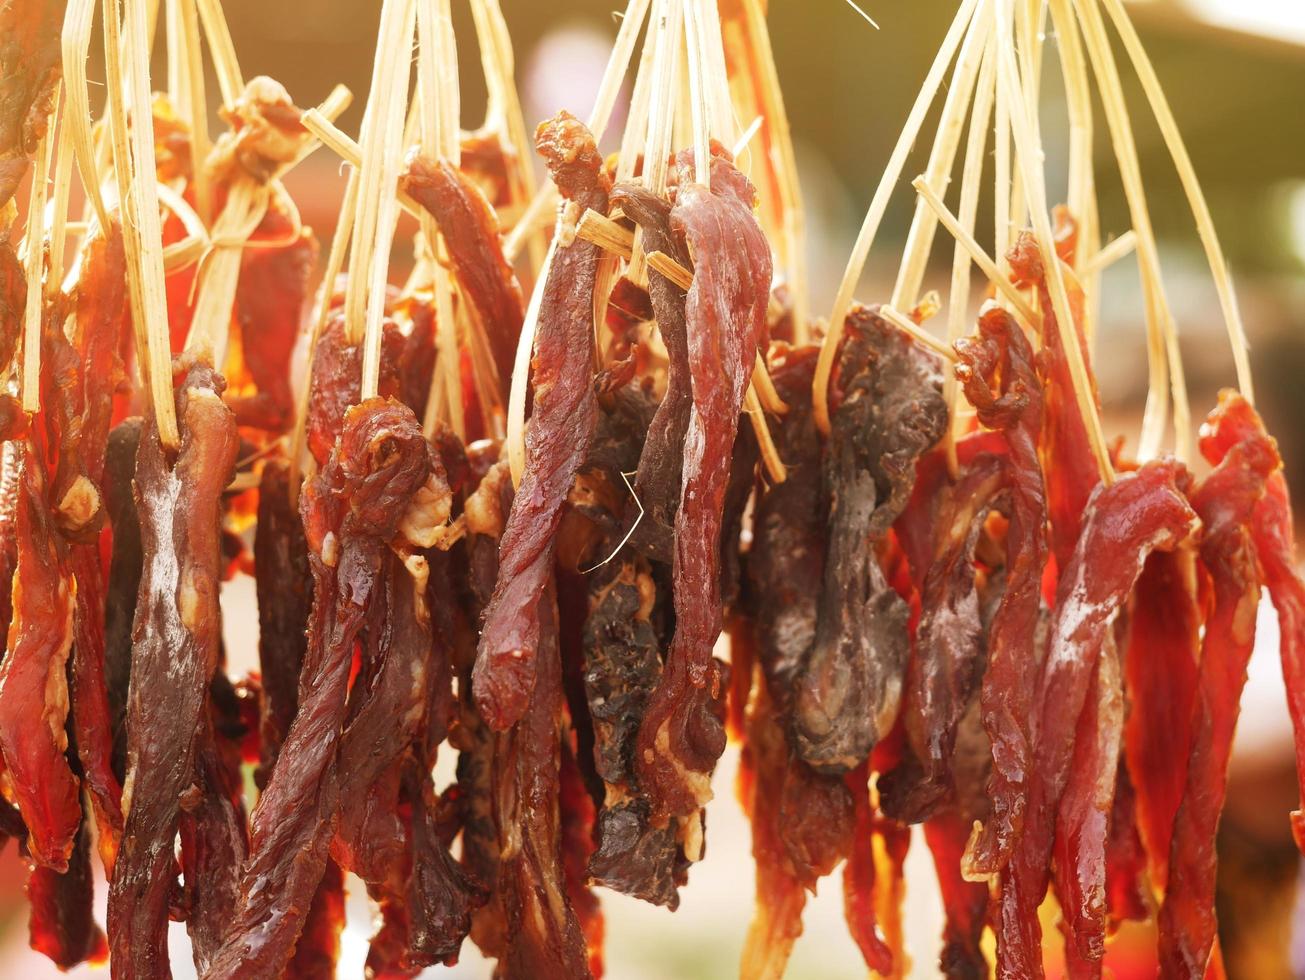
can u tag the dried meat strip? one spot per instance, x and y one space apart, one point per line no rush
965 902
622 650
270 297
657 481
213 847
1068 458
859 881
124 579
61 924
802 820
557 440
997 372
948 657
1226 501
353 507
176 635
30 69
1139 513
284 589
889 411
542 933
79 493
33 678
1083 818
470 231
1275 545
681 736
1160 672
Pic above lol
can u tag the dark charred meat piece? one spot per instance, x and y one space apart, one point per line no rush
965 902
557 440
1139 513
997 373
270 296
176 635
948 659
62 925
657 482
1160 674
284 587
542 933
351 509
33 679
1226 501
622 666
889 411
802 821
469 227
30 69
681 736
1275 544
124 579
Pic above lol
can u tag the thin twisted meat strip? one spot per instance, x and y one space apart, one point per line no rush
557 440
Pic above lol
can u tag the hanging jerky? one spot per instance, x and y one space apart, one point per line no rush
681 736
1083 818
1160 673
365 495
176 635
802 821
33 680
86 404
997 373
948 659
1140 513
1226 502
1067 456
1275 545
61 924
123 581
470 231
557 440
657 482
275 272
30 69
543 936
965 902
888 411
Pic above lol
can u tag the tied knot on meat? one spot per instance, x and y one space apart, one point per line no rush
384 459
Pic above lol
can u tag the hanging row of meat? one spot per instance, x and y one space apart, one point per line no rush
1041 669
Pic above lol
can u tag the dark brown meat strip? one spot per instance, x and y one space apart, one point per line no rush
351 509
176 635
543 937
889 411
681 736
123 581
469 227
557 440
657 482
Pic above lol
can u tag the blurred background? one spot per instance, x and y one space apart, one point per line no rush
1234 71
